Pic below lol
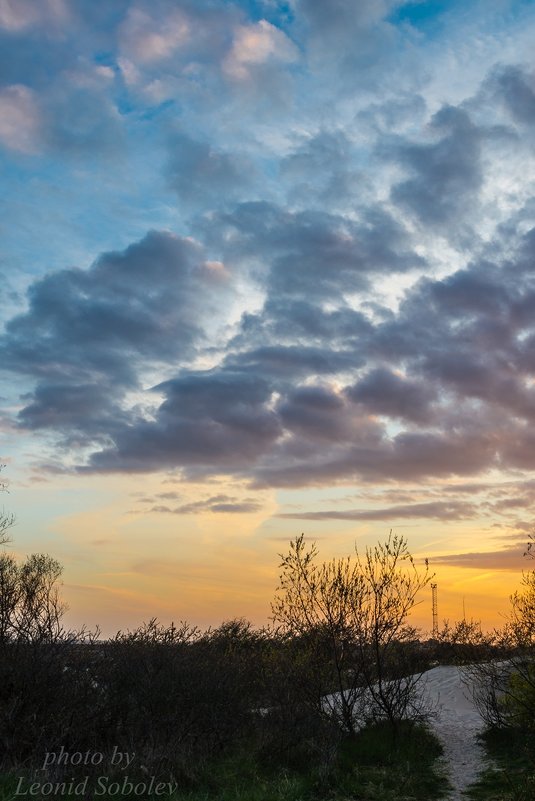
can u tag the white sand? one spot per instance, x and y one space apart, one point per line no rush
456 723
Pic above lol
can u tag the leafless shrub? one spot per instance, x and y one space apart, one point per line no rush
351 614
503 675
177 695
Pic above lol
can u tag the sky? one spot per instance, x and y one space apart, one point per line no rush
266 268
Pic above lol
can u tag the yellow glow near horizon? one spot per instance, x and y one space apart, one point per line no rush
124 564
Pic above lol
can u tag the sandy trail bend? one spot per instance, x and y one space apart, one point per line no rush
456 724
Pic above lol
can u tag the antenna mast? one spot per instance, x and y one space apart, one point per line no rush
434 592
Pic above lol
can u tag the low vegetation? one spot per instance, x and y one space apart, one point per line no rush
510 774
320 705
506 701
370 766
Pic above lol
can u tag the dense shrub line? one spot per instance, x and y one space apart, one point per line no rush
338 656
175 696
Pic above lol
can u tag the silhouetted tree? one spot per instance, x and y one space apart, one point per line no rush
30 606
504 680
351 616
6 519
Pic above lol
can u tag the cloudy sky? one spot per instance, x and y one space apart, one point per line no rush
266 267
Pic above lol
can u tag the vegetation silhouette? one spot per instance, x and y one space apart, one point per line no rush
322 703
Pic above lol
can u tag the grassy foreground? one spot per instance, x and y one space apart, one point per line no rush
512 776
371 767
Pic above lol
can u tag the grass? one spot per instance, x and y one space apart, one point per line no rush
373 766
370 767
512 777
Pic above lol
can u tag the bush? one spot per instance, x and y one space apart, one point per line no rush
351 616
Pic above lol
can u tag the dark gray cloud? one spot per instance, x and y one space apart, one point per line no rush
63 407
200 173
292 362
87 333
144 302
454 352
300 323
217 420
322 170
315 413
312 253
383 392
451 365
370 455
446 174
514 87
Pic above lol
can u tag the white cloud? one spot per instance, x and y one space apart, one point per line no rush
257 44
19 119
145 39
16 15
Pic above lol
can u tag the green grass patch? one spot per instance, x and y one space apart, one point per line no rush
373 766
379 766
8 787
512 777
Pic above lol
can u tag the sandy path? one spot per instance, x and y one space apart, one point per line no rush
457 723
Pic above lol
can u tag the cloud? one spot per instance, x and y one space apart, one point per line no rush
182 51
200 173
322 171
437 510
316 413
88 333
257 45
268 410
290 362
17 15
142 302
506 559
54 101
146 37
66 406
20 119
343 29
164 37
384 392
314 253
446 174
335 16
514 87
214 420
304 326
319 328
80 119
221 504
370 455
305 392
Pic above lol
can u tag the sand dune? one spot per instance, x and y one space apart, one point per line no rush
448 694
457 723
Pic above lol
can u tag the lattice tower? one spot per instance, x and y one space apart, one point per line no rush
434 593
